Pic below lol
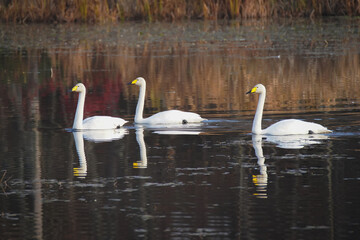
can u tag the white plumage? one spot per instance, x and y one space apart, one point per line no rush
294 126
284 127
165 117
95 122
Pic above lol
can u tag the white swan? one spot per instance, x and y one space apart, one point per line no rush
284 127
166 117
95 122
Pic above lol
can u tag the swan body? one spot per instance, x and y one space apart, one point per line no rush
284 127
172 117
294 126
165 117
95 122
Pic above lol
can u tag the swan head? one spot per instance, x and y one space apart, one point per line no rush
138 81
79 88
259 88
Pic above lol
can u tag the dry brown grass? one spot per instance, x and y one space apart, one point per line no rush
153 10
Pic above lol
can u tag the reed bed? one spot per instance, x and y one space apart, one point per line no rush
97 11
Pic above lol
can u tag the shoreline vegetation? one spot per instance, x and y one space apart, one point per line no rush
102 11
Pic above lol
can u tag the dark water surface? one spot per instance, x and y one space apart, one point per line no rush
209 181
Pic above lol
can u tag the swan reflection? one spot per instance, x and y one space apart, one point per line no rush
286 142
81 171
143 157
177 129
188 129
260 180
105 135
296 141
177 132
93 136
173 129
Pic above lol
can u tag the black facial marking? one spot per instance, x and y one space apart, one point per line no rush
311 132
184 121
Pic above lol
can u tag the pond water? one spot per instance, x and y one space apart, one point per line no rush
213 180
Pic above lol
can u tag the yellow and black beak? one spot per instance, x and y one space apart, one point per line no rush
133 82
252 90
74 89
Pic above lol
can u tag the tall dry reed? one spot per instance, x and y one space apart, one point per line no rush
154 10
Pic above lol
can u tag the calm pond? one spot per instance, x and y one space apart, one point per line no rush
208 181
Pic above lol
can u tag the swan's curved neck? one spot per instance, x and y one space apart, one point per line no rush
140 104
256 128
79 115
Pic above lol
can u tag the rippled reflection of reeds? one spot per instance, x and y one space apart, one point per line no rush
206 68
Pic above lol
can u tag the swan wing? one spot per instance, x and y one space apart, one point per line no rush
295 126
103 122
174 117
